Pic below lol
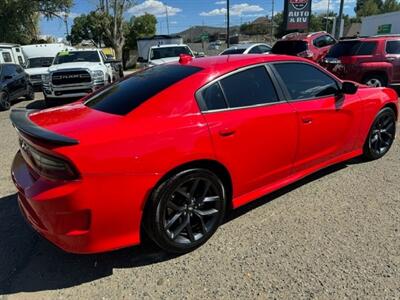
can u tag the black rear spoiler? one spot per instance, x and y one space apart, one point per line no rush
21 121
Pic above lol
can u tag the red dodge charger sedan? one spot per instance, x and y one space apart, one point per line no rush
167 151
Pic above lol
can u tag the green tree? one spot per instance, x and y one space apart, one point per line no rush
390 6
112 13
140 27
89 27
19 19
367 7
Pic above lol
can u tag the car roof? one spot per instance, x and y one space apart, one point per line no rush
301 36
221 64
168 45
371 38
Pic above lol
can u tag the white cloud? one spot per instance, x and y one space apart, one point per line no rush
154 7
73 15
235 10
220 2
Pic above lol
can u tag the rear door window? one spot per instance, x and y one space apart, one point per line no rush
312 83
213 97
123 97
264 48
393 47
249 87
255 50
366 48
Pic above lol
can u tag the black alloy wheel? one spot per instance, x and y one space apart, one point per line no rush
5 102
381 135
186 210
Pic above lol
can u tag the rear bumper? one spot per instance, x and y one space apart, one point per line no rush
84 216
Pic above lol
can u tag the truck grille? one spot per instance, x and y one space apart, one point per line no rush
36 77
70 77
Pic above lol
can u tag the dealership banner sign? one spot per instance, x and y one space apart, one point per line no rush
297 14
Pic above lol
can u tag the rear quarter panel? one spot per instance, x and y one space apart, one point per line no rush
166 131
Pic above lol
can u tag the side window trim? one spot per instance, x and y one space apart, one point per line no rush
285 89
203 107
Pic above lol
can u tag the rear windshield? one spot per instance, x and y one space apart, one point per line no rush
289 47
159 53
233 51
350 48
123 97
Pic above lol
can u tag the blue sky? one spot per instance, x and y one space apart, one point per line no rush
186 13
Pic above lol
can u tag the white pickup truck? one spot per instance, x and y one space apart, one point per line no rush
77 73
162 54
39 58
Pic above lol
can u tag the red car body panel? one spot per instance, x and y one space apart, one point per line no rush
120 159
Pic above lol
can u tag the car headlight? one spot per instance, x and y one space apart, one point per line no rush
45 77
98 74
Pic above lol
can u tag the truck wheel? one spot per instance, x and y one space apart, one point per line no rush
30 93
375 80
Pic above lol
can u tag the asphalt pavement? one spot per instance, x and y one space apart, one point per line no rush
333 235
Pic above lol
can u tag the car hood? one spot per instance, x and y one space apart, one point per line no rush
75 65
77 121
36 71
163 60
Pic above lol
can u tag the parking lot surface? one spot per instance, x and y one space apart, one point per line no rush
335 234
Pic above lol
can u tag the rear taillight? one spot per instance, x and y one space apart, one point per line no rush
305 54
47 165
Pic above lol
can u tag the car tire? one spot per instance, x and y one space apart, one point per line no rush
185 210
381 135
375 80
30 95
5 102
49 102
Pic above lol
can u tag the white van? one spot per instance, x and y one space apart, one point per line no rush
39 57
11 53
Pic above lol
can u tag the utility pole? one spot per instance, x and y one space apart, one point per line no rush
327 17
227 25
66 25
272 20
166 14
339 24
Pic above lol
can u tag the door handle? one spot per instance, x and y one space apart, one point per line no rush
307 120
226 132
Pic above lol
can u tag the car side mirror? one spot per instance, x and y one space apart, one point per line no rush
349 88
141 60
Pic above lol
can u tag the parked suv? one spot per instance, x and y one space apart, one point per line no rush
14 83
313 46
374 61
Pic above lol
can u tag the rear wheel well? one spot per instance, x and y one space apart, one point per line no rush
211 165
393 107
383 74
